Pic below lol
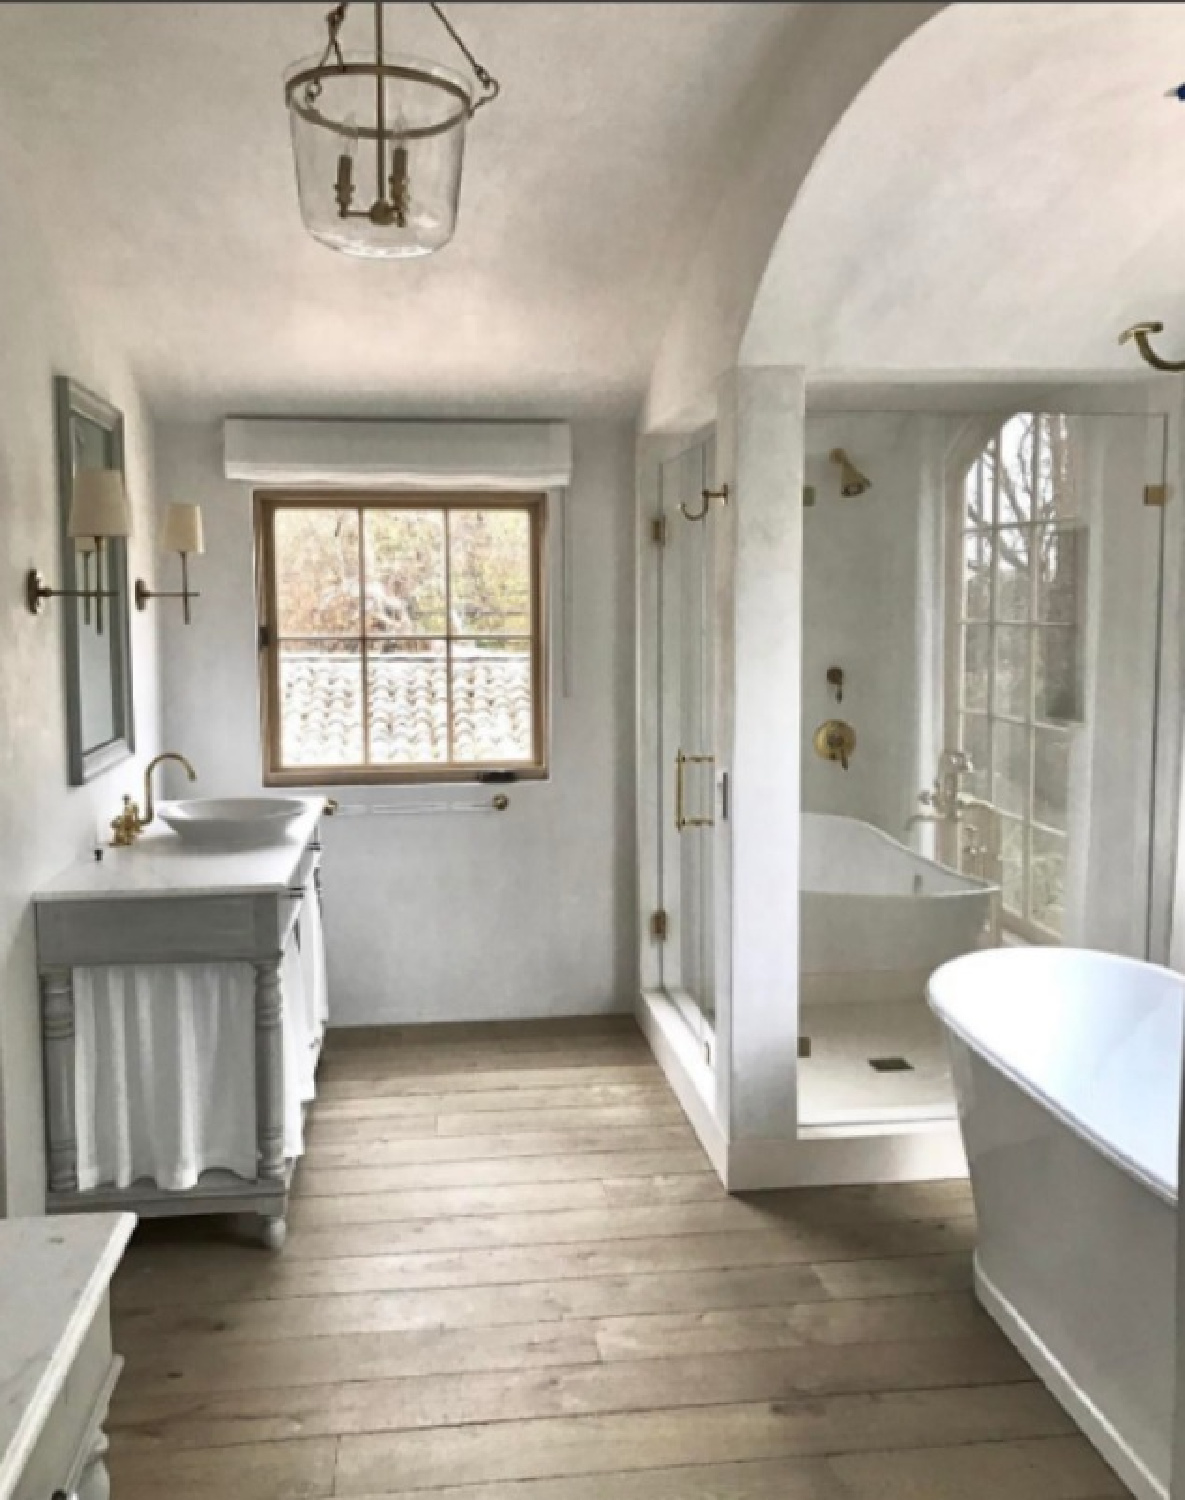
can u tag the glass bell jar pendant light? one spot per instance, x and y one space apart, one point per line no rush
379 140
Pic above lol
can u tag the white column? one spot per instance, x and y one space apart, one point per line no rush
760 457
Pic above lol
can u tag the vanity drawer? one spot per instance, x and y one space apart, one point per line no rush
71 1430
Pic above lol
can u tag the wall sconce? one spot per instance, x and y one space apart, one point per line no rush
98 509
182 533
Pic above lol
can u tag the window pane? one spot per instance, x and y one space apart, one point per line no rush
1058 687
973 740
1051 776
490 563
1012 671
320 703
1047 880
1012 837
1013 585
977 645
492 700
1010 768
407 684
977 492
1015 500
405 577
1057 485
1062 573
316 572
977 575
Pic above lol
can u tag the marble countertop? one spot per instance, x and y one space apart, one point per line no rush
159 864
53 1273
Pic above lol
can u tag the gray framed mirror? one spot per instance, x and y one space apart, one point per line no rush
97 643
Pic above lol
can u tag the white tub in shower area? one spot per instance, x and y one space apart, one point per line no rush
1067 1069
876 918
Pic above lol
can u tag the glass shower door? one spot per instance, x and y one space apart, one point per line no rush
687 769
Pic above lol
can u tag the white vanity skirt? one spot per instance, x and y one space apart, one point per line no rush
1067 1067
165 1064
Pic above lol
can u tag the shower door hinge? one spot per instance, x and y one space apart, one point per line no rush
658 531
1156 494
659 926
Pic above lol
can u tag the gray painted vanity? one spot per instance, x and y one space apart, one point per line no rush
57 1368
164 902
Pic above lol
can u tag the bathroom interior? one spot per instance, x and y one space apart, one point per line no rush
591 885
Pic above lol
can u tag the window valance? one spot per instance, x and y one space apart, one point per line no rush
399 455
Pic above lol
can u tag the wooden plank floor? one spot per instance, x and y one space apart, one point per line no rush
511 1276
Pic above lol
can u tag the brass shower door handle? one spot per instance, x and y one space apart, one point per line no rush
681 763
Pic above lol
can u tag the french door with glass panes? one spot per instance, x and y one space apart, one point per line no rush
687 768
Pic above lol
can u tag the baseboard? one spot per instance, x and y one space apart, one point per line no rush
919 1154
1066 1391
691 1079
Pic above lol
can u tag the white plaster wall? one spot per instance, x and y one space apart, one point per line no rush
45 824
861 581
447 917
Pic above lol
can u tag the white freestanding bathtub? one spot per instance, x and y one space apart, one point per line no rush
1067 1068
876 918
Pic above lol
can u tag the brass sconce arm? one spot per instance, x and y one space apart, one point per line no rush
1140 333
184 593
37 591
707 496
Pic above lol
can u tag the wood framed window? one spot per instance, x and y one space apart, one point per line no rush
401 637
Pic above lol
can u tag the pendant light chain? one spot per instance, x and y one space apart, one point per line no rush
487 80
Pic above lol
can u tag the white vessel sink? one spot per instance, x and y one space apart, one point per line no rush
232 822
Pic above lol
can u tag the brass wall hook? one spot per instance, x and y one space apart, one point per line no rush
1141 332
708 496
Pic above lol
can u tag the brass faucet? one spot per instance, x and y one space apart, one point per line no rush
128 826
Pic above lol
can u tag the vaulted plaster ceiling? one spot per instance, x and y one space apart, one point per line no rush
157 142
1004 195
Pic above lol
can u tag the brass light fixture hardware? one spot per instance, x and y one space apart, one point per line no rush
394 122
98 510
835 682
706 497
131 822
1156 495
851 481
1141 333
835 740
682 761
181 533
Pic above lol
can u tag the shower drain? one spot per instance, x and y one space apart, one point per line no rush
890 1064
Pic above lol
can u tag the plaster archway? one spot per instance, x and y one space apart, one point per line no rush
1003 197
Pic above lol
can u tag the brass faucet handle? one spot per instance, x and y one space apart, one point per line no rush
125 829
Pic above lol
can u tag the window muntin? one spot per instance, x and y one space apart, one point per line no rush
1020 594
401 636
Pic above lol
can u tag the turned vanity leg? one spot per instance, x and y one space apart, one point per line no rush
57 1034
269 1069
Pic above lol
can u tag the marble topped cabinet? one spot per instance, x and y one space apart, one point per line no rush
155 918
57 1368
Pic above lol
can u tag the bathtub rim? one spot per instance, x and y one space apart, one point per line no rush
987 958
972 885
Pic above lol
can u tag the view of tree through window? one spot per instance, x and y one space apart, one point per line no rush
1022 586
403 635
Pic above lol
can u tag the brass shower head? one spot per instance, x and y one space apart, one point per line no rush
851 480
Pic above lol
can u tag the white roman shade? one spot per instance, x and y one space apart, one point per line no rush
399 455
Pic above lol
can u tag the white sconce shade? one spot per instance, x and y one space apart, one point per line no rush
182 530
99 507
